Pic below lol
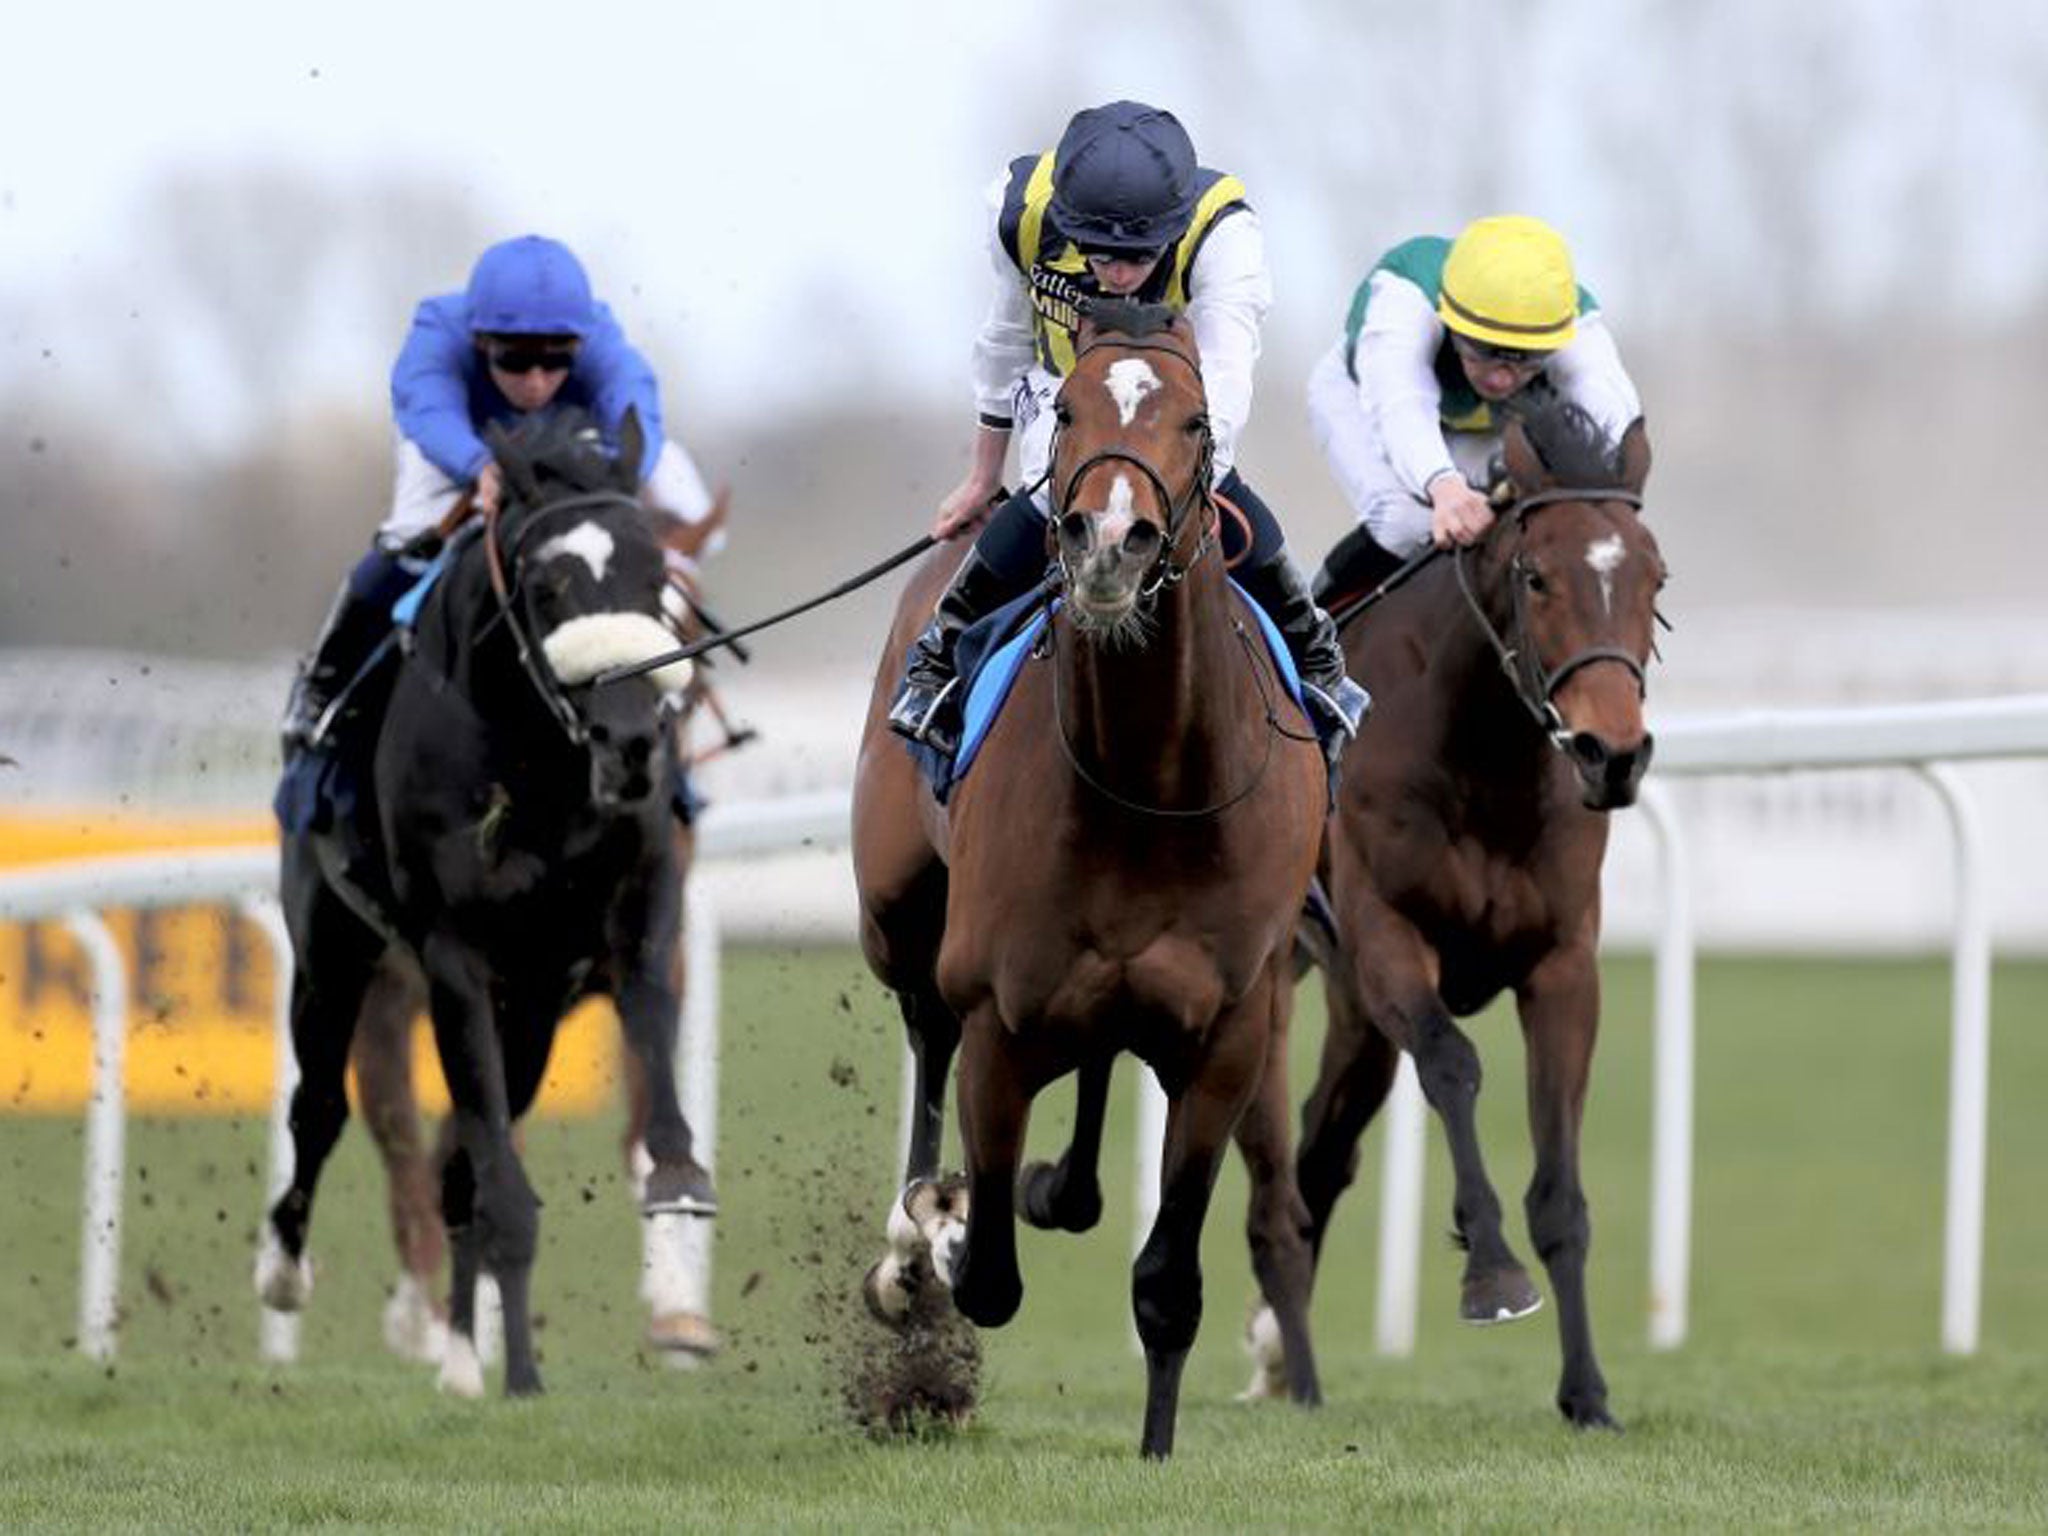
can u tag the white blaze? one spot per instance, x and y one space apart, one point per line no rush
587 542
1603 555
1130 380
1116 517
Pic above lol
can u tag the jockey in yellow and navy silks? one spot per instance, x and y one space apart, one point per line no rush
1122 209
525 335
1440 336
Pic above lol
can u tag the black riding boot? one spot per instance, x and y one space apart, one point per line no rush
928 707
359 619
1337 705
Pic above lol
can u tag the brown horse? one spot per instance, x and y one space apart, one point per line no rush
1464 858
1120 871
416 1314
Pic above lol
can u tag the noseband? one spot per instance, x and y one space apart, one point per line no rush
1165 573
1534 686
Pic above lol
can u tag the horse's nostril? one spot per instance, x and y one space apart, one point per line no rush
638 750
1077 531
599 735
1589 749
1141 540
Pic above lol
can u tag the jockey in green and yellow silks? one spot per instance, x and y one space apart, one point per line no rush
1119 209
1441 335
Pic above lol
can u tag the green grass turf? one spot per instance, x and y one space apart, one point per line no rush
1811 1394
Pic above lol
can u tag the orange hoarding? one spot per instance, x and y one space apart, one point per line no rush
201 992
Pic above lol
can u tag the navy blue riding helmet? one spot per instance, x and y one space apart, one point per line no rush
1123 179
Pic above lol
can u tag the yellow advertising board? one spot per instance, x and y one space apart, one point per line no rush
202 989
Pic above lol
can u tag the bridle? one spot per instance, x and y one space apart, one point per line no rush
1534 686
1164 573
554 693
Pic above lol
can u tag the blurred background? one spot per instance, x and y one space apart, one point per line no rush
1820 234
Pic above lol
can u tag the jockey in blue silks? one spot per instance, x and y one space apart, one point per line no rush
526 335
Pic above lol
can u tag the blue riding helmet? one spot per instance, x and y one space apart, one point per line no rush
1123 178
531 286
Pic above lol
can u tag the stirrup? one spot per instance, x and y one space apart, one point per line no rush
918 716
1338 710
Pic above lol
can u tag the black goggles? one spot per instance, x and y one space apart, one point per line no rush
1511 357
1103 253
524 357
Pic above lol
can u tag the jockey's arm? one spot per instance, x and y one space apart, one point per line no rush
1590 373
1395 363
1003 354
1229 291
429 398
621 379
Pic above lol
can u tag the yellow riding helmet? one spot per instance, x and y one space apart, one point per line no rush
1508 282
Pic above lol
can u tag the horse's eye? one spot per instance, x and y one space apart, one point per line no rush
1197 425
1533 579
1061 413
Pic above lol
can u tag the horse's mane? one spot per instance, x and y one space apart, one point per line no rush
1571 444
1130 317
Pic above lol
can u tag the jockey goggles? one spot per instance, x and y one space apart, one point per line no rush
1512 357
1104 253
525 356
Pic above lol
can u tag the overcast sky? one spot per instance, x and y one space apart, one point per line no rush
783 198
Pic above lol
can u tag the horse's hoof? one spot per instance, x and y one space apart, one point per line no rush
462 1373
412 1330
282 1283
1045 1203
684 1334
929 1203
888 1289
678 1189
1269 1357
524 1385
1588 1415
1501 1297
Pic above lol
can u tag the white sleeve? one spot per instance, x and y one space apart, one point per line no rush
1005 348
1229 292
1396 365
1589 372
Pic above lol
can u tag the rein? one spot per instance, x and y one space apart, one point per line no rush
1534 687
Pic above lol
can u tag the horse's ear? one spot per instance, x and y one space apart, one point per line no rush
632 449
1635 456
1525 468
517 471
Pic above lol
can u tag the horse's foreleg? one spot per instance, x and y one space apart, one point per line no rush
648 1001
934 1036
1560 1008
1067 1195
998 1076
1406 1008
462 1370
415 1326
1276 1224
335 956
482 1081
1166 1279
1356 1072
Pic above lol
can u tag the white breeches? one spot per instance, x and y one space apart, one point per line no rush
1391 512
422 493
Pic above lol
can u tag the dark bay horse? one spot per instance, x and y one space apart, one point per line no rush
1120 871
521 856
1464 857
416 1314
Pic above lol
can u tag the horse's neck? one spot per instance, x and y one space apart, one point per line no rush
1164 717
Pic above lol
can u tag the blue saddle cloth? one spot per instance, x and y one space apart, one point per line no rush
991 654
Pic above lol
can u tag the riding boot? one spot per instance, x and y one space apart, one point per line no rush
928 708
1337 706
359 619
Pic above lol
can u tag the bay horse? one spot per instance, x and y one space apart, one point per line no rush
1464 856
415 1321
1120 871
516 846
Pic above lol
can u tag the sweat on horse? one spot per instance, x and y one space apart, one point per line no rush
1119 871
1464 856
512 839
